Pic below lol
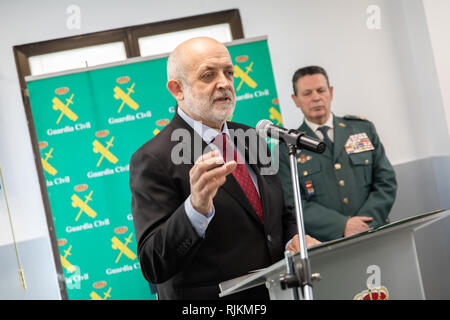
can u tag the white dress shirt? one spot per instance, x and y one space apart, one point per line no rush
315 128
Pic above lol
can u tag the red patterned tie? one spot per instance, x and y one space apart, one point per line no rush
240 173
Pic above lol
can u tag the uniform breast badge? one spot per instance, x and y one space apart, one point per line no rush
309 188
303 159
358 143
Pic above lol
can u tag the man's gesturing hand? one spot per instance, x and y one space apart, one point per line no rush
206 176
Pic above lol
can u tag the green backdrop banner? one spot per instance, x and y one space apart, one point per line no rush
88 124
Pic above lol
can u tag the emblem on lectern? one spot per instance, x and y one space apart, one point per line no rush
381 293
375 290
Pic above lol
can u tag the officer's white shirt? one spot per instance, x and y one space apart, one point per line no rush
315 128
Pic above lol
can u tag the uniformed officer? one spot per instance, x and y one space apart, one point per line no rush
349 188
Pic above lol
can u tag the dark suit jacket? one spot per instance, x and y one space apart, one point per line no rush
171 254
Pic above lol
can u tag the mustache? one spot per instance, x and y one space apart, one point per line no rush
223 94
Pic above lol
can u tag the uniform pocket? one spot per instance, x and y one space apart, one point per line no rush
363 163
311 179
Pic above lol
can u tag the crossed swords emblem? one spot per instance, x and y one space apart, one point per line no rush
65 263
98 147
125 97
64 108
78 203
94 295
122 247
239 73
47 166
118 94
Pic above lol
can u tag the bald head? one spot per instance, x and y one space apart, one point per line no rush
201 78
184 57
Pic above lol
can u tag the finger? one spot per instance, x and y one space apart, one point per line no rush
208 155
366 219
363 227
202 158
230 166
209 189
205 157
205 165
199 181
215 171
294 245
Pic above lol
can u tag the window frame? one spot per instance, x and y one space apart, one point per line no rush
128 35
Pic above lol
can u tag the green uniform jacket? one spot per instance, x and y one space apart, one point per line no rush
337 185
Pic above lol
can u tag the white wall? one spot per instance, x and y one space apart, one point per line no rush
438 14
388 75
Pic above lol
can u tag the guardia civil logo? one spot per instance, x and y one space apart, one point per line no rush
119 94
64 109
95 296
73 280
104 151
122 247
275 115
46 165
65 262
244 75
83 206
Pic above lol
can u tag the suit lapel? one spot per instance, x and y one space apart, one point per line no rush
193 145
187 140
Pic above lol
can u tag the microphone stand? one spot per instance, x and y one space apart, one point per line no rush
299 274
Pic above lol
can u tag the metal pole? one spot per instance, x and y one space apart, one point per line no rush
19 265
306 287
289 260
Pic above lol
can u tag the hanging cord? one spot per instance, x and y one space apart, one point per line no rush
21 273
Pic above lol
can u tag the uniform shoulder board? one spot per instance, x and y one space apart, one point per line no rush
350 117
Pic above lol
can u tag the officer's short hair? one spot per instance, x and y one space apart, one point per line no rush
308 71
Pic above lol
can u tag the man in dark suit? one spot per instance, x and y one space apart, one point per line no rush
202 217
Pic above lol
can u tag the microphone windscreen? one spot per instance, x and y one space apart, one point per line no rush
262 126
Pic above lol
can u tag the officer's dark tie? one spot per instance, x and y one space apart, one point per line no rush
326 138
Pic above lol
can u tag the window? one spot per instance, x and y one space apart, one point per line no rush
166 42
120 44
77 58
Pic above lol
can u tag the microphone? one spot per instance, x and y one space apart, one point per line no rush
266 128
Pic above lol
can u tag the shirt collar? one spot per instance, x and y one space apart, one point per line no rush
207 133
315 126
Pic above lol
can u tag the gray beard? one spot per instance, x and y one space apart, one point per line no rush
203 108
